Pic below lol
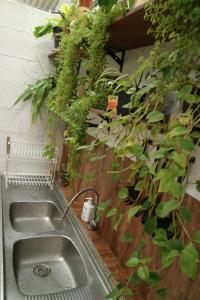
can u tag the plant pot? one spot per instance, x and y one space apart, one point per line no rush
124 99
57 29
85 3
57 39
57 36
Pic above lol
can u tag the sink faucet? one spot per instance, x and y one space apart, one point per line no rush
93 223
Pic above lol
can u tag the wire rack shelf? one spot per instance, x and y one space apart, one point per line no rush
27 165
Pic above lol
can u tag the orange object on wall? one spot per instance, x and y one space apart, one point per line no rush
112 103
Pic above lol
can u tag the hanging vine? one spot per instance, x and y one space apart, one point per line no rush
160 134
83 44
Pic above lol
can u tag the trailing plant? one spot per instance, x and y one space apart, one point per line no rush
166 111
85 43
69 58
77 124
37 94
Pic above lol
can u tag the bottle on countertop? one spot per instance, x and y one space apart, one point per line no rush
88 210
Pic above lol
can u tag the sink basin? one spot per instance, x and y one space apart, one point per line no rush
34 217
46 265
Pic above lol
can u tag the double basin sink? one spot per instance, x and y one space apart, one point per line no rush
48 264
46 258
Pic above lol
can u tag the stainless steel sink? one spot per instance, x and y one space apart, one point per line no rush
33 217
49 264
44 259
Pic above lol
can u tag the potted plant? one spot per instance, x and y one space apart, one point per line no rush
55 25
85 3
57 30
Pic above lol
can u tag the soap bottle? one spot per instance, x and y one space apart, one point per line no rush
88 210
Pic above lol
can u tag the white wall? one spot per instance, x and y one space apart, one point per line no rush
20 52
131 59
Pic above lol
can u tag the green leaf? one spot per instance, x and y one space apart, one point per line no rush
114 294
150 225
40 31
189 260
165 180
185 92
195 134
175 170
168 258
115 176
155 130
143 273
178 131
136 150
140 186
117 221
196 236
127 238
155 116
133 262
198 185
179 158
136 253
167 73
186 144
160 238
127 292
142 244
104 205
26 95
115 166
175 245
37 101
37 92
111 212
123 193
186 214
176 189
161 293
154 279
107 4
133 211
135 279
130 3
146 205
165 207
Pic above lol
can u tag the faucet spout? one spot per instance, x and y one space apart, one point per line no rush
93 224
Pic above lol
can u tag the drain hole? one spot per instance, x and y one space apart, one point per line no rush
42 270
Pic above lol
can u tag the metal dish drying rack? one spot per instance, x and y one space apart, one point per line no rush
27 165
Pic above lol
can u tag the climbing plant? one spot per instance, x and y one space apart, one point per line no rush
160 133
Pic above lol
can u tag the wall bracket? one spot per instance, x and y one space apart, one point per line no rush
116 58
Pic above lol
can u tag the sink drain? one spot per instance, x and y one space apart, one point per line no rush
42 270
